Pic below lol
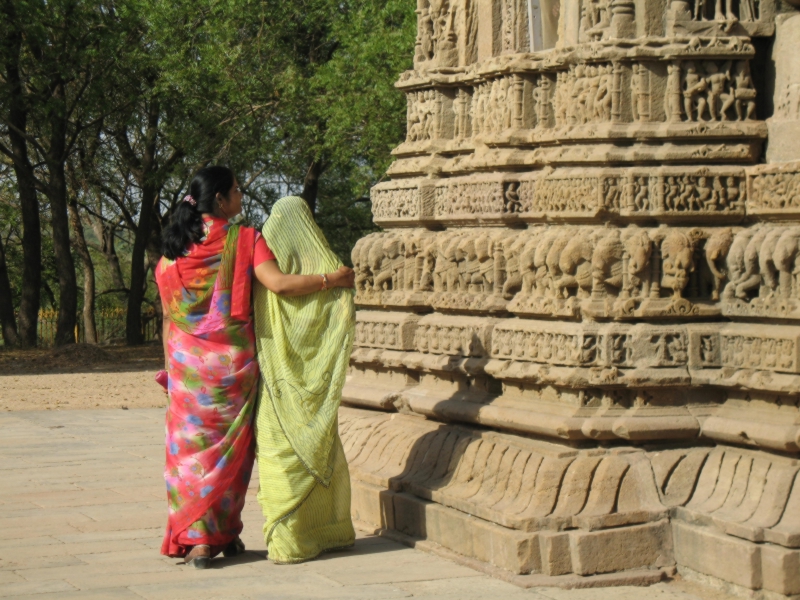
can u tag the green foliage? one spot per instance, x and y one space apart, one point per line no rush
297 97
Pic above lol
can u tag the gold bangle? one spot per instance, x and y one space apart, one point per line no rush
324 282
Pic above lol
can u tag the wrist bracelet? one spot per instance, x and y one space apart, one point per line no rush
324 282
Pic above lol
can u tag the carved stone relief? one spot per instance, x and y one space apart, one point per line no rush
559 271
668 193
446 32
581 246
711 91
721 17
430 115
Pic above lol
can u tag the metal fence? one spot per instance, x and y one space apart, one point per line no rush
110 324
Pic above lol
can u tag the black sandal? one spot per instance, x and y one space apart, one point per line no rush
235 548
199 557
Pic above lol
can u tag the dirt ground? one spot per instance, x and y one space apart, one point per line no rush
81 376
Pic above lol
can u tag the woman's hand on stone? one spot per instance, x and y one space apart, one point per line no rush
344 277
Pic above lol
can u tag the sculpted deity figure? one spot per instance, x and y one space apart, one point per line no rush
424 36
414 127
732 191
727 15
641 193
744 93
704 194
396 253
429 255
694 86
607 262
676 252
459 110
603 98
577 95
596 19
511 203
638 248
716 90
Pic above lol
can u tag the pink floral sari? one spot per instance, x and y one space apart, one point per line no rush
213 377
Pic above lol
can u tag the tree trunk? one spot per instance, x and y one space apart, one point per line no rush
59 219
106 233
89 326
146 173
7 320
311 185
133 323
30 300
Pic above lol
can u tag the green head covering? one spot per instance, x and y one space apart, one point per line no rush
304 342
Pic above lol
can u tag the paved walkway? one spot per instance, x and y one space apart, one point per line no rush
82 511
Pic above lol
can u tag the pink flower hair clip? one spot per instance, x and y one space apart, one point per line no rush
188 198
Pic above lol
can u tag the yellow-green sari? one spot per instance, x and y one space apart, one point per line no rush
304 346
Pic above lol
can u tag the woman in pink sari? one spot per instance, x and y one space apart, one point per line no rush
205 281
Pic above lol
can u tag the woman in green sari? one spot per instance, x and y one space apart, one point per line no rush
304 346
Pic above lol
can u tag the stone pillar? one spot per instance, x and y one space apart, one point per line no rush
784 126
595 359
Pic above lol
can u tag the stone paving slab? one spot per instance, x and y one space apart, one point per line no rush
82 512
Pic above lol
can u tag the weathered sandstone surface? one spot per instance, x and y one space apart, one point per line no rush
578 349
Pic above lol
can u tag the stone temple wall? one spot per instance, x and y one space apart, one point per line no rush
578 351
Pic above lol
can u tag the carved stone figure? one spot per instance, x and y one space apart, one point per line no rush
694 90
786 258
716 249
638 249
678 262
575 265
588 287
607 262
736 260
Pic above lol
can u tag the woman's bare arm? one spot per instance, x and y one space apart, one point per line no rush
271 277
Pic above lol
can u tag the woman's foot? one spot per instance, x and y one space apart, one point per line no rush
199 557
235 548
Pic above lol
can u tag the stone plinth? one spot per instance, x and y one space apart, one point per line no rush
578 349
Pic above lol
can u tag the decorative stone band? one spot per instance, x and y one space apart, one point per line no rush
445 158
649 48
736 350
591 381
578 270
667 194
543 508
774 190
684 105
390 330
